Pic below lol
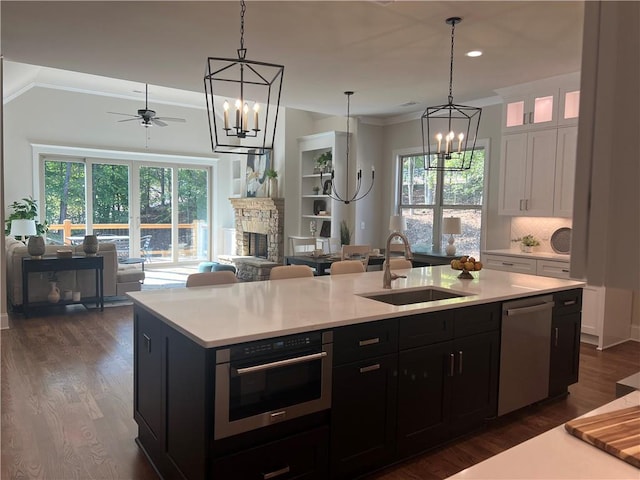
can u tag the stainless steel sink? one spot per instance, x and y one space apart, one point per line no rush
408 297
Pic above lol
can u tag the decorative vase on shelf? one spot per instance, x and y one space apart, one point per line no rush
272 186
35 247
54 293
90 245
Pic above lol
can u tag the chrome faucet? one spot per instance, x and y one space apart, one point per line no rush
388 277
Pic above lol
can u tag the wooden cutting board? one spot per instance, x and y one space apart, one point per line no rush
617 433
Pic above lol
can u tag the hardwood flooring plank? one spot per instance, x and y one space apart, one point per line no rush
66 383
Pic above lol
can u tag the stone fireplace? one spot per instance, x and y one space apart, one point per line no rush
259 224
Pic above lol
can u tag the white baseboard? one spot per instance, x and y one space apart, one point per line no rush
4 321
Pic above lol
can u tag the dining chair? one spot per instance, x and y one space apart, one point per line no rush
347 266
356 252
398 263
211 278
302 245
290 271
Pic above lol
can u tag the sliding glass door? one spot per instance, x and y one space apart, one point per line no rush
108 192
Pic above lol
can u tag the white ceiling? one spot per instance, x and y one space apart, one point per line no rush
391 53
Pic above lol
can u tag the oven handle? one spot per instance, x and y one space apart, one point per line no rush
281 363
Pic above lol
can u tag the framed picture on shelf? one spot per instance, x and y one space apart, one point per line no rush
325 229
256 174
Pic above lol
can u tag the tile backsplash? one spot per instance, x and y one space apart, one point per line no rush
540 227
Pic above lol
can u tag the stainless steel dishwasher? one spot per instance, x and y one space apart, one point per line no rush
524 352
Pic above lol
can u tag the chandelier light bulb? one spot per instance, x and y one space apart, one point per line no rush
225 106
439 139
256 108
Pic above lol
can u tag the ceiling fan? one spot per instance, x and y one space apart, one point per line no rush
148 117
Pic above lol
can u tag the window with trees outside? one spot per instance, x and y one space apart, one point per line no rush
428 196
156 211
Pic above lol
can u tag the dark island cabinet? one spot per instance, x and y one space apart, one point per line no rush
171 387
447 387
299 457
565 341
148 374
364 399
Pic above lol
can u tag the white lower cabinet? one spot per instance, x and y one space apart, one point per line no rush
606 312
510 264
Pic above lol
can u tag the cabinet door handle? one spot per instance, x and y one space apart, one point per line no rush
524 118
276 473
147 342
371 341
460 362
566 303
507 264
370 368
556 335
451 364
521 200
526 204
530 117
566 270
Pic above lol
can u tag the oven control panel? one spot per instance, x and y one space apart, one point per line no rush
275 346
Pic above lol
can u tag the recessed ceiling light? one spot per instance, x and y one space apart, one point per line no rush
473 53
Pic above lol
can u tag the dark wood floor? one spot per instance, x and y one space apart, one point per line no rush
67 390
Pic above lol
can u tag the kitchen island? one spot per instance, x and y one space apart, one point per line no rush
391 380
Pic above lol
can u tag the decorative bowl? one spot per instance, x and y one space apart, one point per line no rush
64 253
467 264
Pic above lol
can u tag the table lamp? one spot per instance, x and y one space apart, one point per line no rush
451 226
23 228
397 223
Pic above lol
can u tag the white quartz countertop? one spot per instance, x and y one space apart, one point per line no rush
227 314
535 255
557 455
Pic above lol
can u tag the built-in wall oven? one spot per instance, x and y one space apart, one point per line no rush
268 381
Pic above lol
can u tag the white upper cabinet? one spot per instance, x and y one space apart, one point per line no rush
565 171
527 173
569 106
539 141
524 112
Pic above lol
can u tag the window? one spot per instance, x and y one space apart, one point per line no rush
159 211
427 196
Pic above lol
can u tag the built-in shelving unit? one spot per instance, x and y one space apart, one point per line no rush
311 147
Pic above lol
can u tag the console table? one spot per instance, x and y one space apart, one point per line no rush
56 264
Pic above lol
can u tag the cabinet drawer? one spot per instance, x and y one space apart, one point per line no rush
550 268
365 340
426 328
299 457
477 319
510 264
568 301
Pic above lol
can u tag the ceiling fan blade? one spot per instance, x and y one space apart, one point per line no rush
171 119
126 114
157 121
129 119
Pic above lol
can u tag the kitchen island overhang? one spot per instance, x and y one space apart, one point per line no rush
222 315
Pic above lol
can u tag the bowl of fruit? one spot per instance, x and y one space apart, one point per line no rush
466 264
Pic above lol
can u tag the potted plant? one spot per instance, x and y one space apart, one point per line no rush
316 190
27 209
345 233
527 243
323 162
272 183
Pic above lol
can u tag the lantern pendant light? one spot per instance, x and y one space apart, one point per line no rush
253 90
348 198
449 131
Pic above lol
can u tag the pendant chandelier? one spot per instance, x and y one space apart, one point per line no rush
449 131
348 198
254 89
